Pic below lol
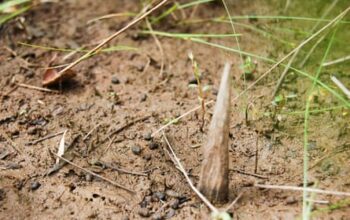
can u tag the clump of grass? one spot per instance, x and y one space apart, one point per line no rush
201 89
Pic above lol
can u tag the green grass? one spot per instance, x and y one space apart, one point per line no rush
306 208
16 7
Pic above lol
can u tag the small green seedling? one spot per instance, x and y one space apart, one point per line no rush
201 89
249 68
220 216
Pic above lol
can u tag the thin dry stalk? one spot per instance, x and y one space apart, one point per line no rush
340 60
45 138
159 45
107 40
36 88
341 86
179 166
295 188
96 175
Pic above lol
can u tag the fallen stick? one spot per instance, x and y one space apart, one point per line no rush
96 175
214 178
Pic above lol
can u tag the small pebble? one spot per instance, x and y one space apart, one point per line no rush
143 98
136 150
115 80
160 195
147 157
147 136
35 185
88 177
192 81
32 130
172 193
170 213
158 216
291 200
144 212
153 145
174 203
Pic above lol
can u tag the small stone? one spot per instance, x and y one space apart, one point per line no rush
174 203
88 177
147 157
143 98
32 130
170 213
160 195
153 145
158 216
147 136
35 185
291 200
2 194
115 80
144 212
192 81
172 193
136 150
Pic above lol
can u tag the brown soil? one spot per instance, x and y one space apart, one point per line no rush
94 98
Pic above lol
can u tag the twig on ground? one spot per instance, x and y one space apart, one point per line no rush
44 138
250 174
336 61
126 125
256 155
341 86
107 40
143 173
96 175
295 188
179 166
234 202
94 128
36 88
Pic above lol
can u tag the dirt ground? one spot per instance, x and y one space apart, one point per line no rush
120 98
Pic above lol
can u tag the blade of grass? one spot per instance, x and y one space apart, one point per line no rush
8 4
8 17
306 213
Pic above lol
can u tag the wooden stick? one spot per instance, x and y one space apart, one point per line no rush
214 178
179 166
107 40
97 175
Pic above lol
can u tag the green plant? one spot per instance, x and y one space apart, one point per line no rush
201 89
